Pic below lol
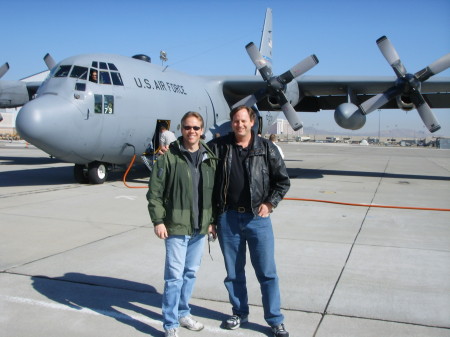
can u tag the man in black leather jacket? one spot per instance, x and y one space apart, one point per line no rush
251 180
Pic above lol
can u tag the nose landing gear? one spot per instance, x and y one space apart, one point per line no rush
94 173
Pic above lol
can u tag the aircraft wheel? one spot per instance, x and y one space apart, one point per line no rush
97 172
80 174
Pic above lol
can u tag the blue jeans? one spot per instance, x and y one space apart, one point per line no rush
235 232
183 258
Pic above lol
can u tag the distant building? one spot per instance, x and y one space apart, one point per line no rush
443 143
8 124
284 130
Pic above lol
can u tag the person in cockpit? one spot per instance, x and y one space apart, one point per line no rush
93 77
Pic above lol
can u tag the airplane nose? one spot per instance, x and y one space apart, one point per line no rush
44 122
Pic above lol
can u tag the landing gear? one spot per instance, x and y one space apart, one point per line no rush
97 172
94 173
80 174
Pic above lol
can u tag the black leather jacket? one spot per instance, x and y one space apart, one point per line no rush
269 181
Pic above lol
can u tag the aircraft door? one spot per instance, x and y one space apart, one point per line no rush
154 147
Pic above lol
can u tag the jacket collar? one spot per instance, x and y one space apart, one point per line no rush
256 144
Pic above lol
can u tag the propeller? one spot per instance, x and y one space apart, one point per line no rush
3 69
49 61
407 84
277 84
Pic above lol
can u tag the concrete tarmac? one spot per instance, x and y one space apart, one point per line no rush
82 260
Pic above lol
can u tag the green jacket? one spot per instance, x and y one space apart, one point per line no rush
170 191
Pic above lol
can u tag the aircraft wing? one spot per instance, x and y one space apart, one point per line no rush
328 92
16 93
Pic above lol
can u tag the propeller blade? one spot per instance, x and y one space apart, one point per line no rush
374 103
247 101
379 100
434 68
299 69
3 69
259 61
252 99
440 65
428 117
49 61
292 116
390 54
289 112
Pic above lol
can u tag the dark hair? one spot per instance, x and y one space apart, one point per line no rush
250 111
164 125
272 137
192 114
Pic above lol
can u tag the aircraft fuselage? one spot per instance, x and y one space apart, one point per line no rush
79 121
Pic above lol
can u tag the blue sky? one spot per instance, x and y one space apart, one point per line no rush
208 38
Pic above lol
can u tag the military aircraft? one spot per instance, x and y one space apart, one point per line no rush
100 110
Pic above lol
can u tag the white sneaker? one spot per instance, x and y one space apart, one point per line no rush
189 323
171 333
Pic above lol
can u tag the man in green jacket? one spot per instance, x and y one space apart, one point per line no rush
179 203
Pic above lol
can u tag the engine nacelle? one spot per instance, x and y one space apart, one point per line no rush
404 103
348 116
13 94
292 94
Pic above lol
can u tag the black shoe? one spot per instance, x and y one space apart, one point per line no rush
279 331
235 321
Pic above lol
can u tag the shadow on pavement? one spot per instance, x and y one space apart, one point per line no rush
117 298
31 174
299 173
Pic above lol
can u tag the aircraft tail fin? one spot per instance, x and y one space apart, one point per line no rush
266 39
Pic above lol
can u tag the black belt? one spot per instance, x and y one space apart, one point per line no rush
239 209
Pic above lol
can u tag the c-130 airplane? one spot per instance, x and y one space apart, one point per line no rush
99 110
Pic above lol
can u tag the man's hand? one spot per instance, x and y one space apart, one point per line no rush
161 231
213 231
163 149
265 209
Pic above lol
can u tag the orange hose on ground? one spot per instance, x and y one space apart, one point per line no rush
367 205
312 200
126 173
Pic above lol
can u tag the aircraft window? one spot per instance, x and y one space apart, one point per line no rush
80 86
112 67
103 65
63 71
108 107
79 72
94 64
116 78
98 104
104 77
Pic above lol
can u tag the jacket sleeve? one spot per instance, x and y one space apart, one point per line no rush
279 179
155 194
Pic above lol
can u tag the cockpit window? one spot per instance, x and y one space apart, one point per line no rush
79 72
116 78
112 67
104 77
63 71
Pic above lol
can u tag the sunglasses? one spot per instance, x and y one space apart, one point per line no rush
188 127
